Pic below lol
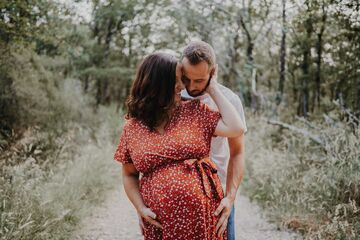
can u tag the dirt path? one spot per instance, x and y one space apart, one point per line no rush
116 219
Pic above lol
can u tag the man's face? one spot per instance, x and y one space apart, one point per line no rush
195 77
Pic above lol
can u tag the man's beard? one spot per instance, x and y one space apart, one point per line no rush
196 93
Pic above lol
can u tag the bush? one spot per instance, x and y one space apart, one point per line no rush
46 199
308 186
56 158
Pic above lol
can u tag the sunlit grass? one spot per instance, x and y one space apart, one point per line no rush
47 205
55 177
303 186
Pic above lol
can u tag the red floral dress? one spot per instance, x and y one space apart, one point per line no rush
178 180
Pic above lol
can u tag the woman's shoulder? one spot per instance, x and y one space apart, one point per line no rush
130 123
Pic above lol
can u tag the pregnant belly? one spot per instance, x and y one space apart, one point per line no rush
171 188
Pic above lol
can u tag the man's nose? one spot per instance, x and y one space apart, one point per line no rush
191 85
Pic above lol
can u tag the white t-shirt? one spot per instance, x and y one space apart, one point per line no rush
219 151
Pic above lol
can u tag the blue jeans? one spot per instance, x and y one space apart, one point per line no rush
231 225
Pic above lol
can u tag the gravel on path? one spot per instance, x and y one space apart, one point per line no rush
116 219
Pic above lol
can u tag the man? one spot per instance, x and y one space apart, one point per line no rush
199 65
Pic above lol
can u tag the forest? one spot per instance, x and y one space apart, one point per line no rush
66 69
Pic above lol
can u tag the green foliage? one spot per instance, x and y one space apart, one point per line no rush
56 72
326 29
19 19
46 201
307 187
108 84
31 22
34 91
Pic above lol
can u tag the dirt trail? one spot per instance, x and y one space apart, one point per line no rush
116 219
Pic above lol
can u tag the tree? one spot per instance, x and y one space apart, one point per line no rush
282 56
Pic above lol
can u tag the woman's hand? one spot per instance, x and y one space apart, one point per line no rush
213 81
230 124
141 224
149 216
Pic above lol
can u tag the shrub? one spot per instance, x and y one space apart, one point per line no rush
308 186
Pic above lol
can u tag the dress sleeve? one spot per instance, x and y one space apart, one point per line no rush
208 119
122 152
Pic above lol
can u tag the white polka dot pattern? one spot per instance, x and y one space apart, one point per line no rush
173 185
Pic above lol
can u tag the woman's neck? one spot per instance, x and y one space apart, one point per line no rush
163 124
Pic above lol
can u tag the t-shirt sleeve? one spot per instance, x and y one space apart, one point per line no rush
122 152
208 119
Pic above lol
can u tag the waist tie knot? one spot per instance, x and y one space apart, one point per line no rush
207 170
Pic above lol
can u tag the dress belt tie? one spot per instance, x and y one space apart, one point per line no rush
207 170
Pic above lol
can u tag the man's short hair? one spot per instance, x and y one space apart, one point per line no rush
198 51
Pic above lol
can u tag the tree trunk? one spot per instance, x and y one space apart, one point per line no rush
304 94
282 56
108 38
319 48
317 94
303 107
250 59
230 79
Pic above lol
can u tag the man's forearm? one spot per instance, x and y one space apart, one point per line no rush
235 174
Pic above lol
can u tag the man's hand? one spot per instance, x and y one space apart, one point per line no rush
149 216
224 209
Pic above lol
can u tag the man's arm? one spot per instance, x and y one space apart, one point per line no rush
236 167
235 173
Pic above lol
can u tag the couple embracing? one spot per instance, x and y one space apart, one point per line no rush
182 147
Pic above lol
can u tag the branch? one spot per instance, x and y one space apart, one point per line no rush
242 23
303 132
309 124
347 111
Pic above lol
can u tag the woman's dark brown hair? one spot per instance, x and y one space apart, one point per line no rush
152 92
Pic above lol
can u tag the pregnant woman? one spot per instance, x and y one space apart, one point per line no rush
164 148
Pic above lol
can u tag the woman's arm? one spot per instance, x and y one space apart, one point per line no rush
230 124
131 185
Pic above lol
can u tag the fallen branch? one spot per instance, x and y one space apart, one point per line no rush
309 124
305 133
353 118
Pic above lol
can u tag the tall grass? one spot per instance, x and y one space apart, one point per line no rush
310 187
40 205
54 174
